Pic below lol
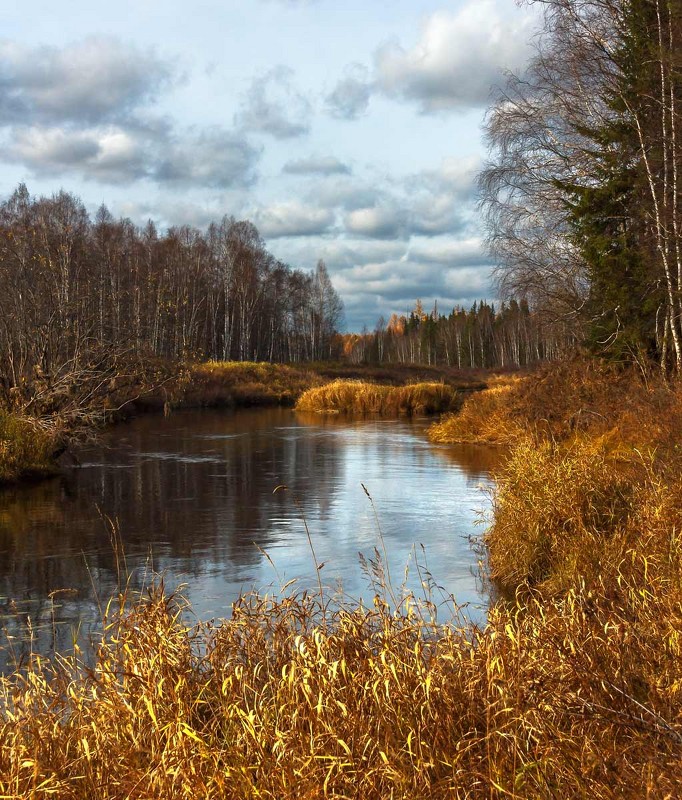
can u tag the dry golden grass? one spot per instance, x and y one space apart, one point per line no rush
25 448
573 689
242 383
358 397
562 700
484 417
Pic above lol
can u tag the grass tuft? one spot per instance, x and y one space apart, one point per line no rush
278 702
359 397
25 448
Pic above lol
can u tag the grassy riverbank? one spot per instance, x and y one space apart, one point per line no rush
288 701
45 418
573 688
26 449
247 383
360 397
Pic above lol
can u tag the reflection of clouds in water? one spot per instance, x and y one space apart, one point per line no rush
208 526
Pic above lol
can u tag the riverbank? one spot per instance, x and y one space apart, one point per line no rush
31 439
572 689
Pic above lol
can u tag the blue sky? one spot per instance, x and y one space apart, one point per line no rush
346 131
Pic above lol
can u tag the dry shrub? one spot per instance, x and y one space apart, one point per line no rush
358 397
290 700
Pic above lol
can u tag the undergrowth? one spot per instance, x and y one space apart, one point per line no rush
290 699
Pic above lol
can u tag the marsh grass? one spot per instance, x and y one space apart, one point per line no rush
484 418
242 383
25 448
361 397
573 688
563 700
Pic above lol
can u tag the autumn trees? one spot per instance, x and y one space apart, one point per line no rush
512 335
582 193
73 289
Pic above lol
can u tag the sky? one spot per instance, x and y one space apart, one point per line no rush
346 131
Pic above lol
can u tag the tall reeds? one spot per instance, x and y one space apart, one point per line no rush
360 397
25 448
562 700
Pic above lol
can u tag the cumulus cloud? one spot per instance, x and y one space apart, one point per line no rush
212 157
107 154
350 97
292 219
450 253
456 61
378 222
316 165
96 80
346 193
83 109
454 176
458 58
273 106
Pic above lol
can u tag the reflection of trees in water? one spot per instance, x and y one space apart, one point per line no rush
196 491
191 490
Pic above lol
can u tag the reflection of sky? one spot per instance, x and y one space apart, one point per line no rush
420 499
192 497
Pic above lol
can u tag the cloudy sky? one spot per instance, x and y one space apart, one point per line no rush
348 131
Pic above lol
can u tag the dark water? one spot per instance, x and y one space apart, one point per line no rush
191 496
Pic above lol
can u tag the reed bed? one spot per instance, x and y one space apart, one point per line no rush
483 419
360 397
289 699
26 449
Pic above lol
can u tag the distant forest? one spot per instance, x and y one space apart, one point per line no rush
76 291
510 336
73 290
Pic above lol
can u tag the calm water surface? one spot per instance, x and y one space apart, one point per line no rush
191 496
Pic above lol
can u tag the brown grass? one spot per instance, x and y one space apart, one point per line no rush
483 419
242 383
25 448
563 700
573 689
358 397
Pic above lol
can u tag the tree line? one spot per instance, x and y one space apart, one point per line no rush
73 288
582 192
512 335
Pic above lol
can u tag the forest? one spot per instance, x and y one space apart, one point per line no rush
76 291
483 337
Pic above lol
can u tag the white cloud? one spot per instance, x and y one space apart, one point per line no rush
94 80
457 59
316 165
111 154
350 97
292 219
273 106
380 222
212 157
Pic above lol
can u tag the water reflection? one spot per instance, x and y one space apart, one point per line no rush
192 496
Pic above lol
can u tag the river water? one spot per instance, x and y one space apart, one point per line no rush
192 497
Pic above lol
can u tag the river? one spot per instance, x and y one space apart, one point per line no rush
192 496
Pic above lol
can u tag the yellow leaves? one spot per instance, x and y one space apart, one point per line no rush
150 710
187 731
